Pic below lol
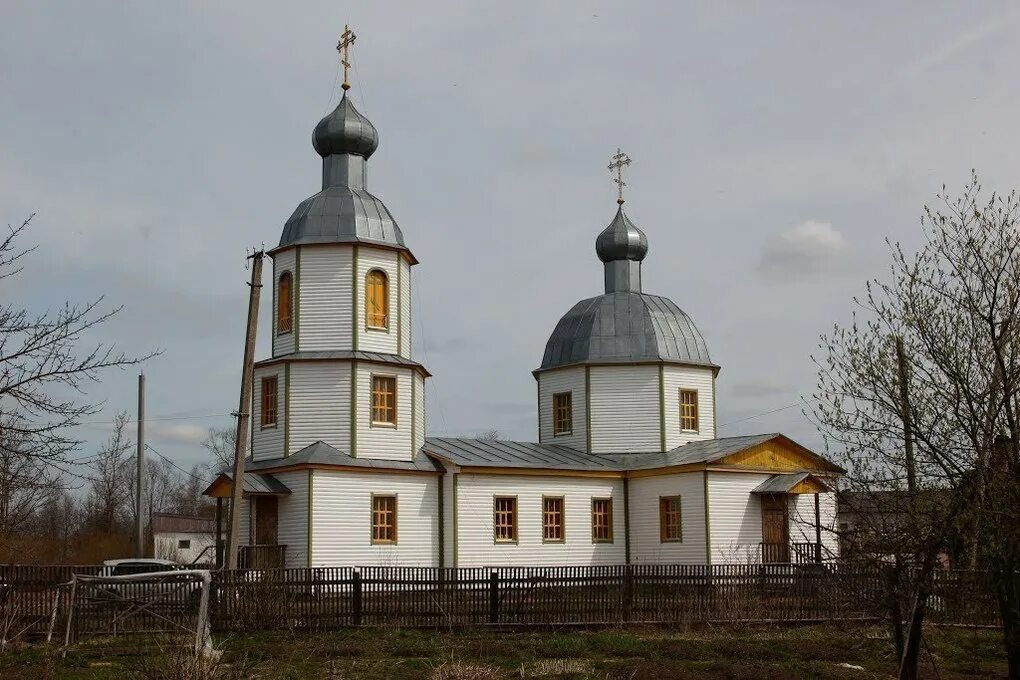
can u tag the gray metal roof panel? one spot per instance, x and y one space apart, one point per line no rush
498 453
625 327
780 483
344 355
321 453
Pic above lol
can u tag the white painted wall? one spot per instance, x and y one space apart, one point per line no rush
370 340
292 520
419 411
326 298
382 441
735 517
676 378
342 524
551 383
320 404
475 544
645 543
802 521
625 409
282 262
267 442
450 483
165 546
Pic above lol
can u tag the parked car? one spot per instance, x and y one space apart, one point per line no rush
136 589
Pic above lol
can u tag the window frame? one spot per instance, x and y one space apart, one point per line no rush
385 328
563 519
664 525
372 517
290 303
697 415
609 519
371 404
184 544
265 424
515 524
556 409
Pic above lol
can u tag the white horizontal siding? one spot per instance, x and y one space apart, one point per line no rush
735 517
406 323
645 543
342 519
419 412
625 409
676 378
244 533
382 441
292 517
370 340
320 404
475 544
551 383
450 483
282 262
268 442
802 521
326 298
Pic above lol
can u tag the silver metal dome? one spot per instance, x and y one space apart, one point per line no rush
621 240
341 214
625 327
345 131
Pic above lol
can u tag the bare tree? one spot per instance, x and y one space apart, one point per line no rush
219 442
491 435
46 363
922 394
109 492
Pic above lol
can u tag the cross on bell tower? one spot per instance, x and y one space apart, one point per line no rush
347 39
619 160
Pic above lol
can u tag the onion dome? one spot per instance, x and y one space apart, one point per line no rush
621 240
345 131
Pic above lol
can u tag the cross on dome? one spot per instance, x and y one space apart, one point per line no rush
347 39
618 162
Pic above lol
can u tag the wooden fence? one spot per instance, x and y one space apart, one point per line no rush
339 597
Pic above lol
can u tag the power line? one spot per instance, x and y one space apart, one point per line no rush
759 415
200 479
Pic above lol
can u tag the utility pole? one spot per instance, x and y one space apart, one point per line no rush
244 410
140 472
908 424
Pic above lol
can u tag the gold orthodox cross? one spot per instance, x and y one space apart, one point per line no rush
347 39
620 159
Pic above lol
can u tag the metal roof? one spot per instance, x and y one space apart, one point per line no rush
344 211
621 240
625 327
166 522
321 453
254 483
345 355
780 483
498 453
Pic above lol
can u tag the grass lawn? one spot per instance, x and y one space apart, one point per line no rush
755 653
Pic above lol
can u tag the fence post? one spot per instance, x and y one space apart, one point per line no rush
628 592
356 599
493 597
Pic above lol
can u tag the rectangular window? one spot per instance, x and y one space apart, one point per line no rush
563 413
670 520
384 400
384 519
269 401
552 519
689 410
184 544
602 520
504 510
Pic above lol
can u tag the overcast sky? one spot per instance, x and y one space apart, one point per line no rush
775 147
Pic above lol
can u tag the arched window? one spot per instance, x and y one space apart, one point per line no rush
377 300
284 305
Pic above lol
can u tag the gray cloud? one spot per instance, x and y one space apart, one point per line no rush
809 249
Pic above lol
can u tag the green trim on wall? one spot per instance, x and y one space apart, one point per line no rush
311 472
442 522
626 520
455 532
708 524
354 409
662 407
276 305
354 299
400 306
587 405
538 405
286 409
297 299
715 415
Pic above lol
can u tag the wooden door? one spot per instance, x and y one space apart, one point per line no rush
266 520
775 533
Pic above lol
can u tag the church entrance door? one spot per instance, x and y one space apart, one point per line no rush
775 529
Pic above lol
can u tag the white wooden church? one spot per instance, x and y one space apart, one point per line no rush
627 467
